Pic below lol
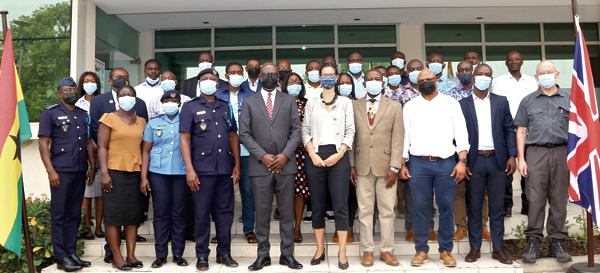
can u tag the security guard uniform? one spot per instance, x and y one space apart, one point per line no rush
212 158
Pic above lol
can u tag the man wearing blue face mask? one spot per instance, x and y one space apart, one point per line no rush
168 81
313 84
399 60
355 64
435 62
151 87
411 90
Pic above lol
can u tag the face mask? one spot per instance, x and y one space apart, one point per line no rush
427 88
328 82
413 76
294 90
482 82
236 80
355 68
269 83
385 81
151 81
120 82
283 73
547 80
436 67
374 87
313 76
127 102
208 87
399 63
204 65
345 89
90 88
167 85
395 80
170 108
465 78
70 98
253 72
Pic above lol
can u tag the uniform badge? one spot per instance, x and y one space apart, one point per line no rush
173 95
159 133
200 113
64 127
62 117
202 125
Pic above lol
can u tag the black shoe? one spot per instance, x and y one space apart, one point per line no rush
343 266
557 249
260 263
89 236
330 215
68 265
79 262
190 238
180 261
137 264
125 267
508 212
202 264
308 216
140 239
158 263
108 257
525 210
227 260
290 262
532 252
100 235
317 261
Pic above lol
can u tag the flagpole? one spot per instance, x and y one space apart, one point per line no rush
24 217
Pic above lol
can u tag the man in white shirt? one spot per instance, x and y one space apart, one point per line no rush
313 84
150 88
431 122
514 86
355 64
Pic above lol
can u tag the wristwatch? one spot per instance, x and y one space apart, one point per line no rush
463 160
395 170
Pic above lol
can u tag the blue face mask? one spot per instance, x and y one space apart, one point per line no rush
294 90
167 85
313 75
482 82
385 81
208 87
151 81
236 80
328 82
204 65
399 63
413 76
126 103
547 80
436 67
374 87
394 80
90 88
355 68
170 108
345 90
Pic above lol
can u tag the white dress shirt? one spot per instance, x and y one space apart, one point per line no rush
312 92
359 89
265 96
253 85
483 111
147 93
431 126
513 90
377 100
327 133
83 104
114 93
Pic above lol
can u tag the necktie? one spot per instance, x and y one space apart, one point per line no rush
371 112
270 106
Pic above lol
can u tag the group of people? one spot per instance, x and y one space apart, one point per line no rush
377 143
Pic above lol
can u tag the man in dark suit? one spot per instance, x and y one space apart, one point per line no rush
107 103
190 86
491 158
270 129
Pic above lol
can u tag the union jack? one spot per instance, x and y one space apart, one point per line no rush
584 134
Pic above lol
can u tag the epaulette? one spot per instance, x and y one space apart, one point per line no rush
51 107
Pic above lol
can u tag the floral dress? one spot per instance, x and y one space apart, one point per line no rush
301 184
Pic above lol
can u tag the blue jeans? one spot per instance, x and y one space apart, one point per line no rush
427 176
247 197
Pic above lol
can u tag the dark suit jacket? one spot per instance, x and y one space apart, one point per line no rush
503 131
190 86
261 135
105 103
246 85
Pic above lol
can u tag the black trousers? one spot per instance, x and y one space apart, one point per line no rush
337 179
352 205
65 209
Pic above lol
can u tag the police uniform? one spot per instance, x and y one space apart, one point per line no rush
212 158
166 173
68 131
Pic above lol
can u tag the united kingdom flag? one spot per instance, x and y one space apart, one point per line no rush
584 134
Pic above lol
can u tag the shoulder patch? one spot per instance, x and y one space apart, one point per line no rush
51 107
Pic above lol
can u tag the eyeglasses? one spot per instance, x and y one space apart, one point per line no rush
328 75
299 82
547 72
284 67
266 75
426 80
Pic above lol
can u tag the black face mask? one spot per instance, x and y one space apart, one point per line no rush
283 74
427 88
253 72
120 82
465 78
269 83
70 98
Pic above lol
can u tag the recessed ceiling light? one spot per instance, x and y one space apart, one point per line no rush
479 18
356 19
206 23
303 47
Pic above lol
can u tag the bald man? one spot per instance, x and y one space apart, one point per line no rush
542 129
435 62
168 82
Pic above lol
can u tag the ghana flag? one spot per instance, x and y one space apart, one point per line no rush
14 119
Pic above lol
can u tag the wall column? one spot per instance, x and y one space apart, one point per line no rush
83 37
412 41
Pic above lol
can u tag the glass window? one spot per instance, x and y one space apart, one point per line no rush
183 64
305 35
566 31
255 36
562 56
512 32
452 53
372 57
446 33
366 34
182 38
298 57
498 53
223 58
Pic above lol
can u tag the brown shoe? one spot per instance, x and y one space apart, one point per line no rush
335 237
410 236
432 235
350 238
367 259
501 256
420 258
486 234
388 258
459 234
474 254
446 258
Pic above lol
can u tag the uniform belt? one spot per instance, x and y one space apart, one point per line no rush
548 145
431 158
486 152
